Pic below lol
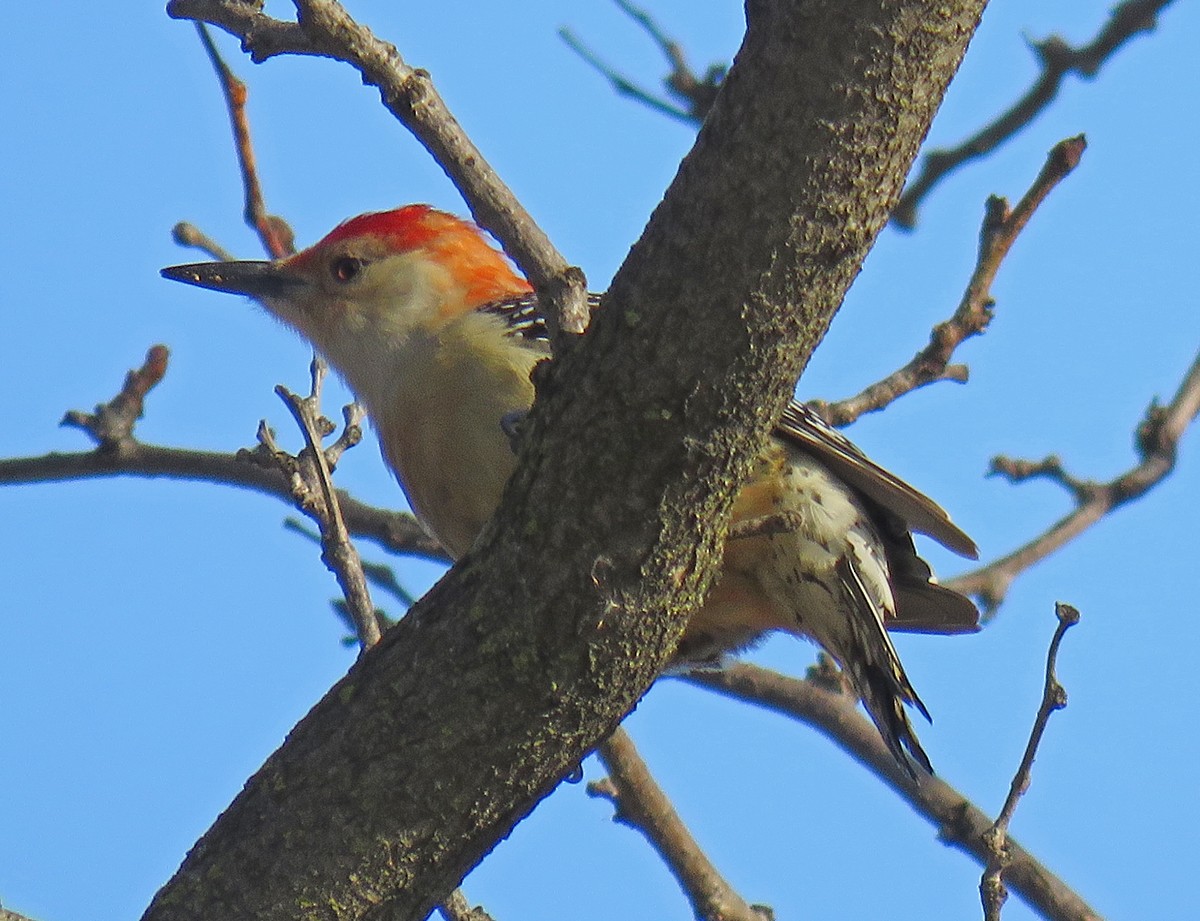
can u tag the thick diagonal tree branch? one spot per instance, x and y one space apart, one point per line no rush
539 641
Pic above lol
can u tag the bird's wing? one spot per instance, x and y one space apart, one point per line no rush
804 428
923 606
523 316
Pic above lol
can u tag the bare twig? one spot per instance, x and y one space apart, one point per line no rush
119 453
992 890
111 424
191 236
621 84
1057 59
1157 441
337 550
959 822
1048 468
698 93
324 28
380 575
641 804
1001 227
276 234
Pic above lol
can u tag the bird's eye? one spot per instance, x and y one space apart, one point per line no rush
346 268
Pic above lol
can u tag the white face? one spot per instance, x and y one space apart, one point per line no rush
357 287
360 304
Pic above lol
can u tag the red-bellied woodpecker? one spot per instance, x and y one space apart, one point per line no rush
437 336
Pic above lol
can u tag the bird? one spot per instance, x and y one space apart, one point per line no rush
437 335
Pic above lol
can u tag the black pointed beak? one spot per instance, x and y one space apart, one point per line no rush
257 279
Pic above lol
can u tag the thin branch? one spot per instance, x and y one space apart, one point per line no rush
337 550
698 93
1001 227
960 823
192 237
397 532
621 84
641 804
312 488
380 575
111 424
1057 59
992 890
1049 468
324 28
1157 442
276 234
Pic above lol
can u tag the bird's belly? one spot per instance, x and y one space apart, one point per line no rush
796 521
452 475
445 442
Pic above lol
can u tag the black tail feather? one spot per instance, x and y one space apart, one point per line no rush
875 671
884 698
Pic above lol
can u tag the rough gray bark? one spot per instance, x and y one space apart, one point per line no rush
534 647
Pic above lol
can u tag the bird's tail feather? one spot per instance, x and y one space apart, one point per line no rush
877 675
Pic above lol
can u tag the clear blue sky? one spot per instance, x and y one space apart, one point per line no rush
158 639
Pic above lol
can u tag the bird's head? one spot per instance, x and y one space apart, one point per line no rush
378 276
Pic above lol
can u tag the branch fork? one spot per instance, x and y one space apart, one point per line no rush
310 476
